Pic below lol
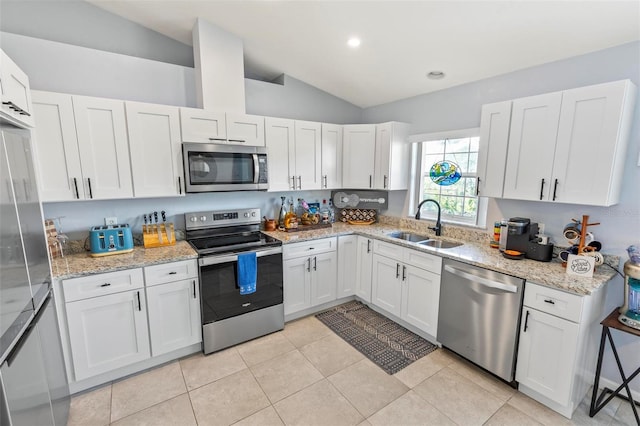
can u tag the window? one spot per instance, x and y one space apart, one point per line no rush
458 201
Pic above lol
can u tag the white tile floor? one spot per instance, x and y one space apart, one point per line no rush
306 375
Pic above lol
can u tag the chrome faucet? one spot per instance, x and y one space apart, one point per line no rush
438 227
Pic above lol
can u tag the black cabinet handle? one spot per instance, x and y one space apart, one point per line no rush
368 246
549 301
541 189
139 303
309 265
172 273
315 263
477 186
105 285
75 184
397 270
385 182
370 181
90 192
555 189
404 272
217 139
526 322
179 185
194 289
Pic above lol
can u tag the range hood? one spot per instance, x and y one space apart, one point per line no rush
219 68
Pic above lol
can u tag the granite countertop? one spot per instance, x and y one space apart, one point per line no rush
478 253
77 265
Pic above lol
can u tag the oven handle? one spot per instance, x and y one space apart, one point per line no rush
215 260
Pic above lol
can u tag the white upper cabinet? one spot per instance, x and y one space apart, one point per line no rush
593 135
331 168
156 155
392 163
245 129
532 141
358 160
204 126
57 146
280 140
15 94
83 150
307 154
557 137
494 140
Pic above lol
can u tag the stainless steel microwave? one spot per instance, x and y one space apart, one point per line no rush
210 167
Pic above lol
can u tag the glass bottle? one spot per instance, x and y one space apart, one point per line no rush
332 212
283 213
324 212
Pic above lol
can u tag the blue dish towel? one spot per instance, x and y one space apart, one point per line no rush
247 272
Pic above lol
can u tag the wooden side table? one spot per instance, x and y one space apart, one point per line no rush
597 402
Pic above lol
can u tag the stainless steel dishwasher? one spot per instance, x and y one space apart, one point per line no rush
479 316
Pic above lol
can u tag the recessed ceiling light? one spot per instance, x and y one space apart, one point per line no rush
353 42
435 75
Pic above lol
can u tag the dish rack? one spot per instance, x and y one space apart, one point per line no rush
158 235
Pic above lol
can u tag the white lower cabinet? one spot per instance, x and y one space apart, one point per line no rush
108 331
174 315
407 285
347 262
364 262
558 346
310 274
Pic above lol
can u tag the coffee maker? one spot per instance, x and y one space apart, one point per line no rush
520 231
630 311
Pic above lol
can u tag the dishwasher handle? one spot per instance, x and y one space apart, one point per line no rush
480 280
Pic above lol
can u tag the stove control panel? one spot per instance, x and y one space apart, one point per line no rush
212 219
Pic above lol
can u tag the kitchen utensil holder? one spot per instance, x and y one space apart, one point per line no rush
158 235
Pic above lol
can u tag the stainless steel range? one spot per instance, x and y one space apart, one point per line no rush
229 318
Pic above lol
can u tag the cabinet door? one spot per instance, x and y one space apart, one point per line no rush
588 153
104 148
107 332
14 90
494 139
532 142
364 261
324 274
203 126
347 264
57 146
421 298
386 290
547 354
358 160
307 154
331 157
297 284
392 157
174 315
156 154
245 129
279 137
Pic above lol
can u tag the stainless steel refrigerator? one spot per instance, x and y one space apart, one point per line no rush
33 381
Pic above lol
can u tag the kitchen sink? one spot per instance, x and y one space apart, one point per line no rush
439 244
408 236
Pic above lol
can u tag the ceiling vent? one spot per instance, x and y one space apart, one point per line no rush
219 66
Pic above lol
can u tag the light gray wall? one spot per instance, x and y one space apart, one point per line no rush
459 108
83 24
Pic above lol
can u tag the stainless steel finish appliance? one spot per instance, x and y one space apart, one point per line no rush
211 167
479 316
33 384
229 318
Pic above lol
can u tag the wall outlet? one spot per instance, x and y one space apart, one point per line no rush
111 220
540 228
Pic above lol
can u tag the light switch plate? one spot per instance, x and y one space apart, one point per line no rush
111 220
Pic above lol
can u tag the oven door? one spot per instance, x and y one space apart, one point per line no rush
221 298
212 167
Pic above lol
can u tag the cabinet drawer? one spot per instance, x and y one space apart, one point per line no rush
387 249
290 251
552 301
102 284
169 272
423 260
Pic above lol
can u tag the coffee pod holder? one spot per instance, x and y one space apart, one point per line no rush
158 235
582 263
